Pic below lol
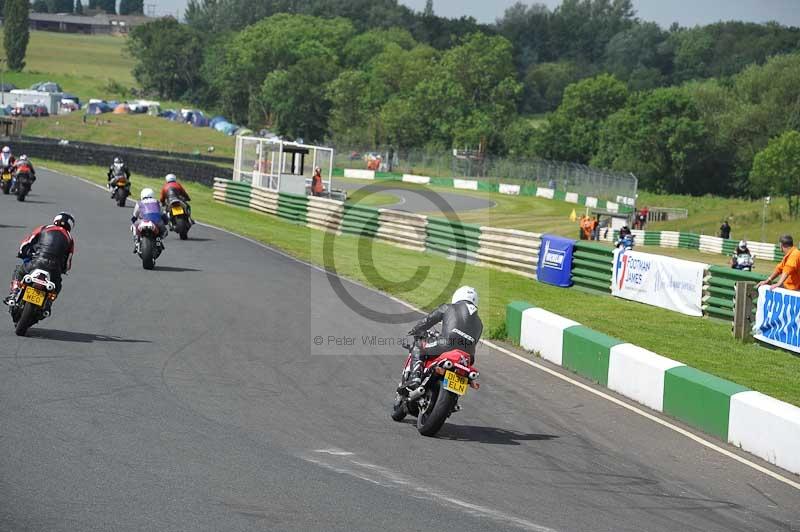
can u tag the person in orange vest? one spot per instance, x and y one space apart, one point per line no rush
587 225
316 182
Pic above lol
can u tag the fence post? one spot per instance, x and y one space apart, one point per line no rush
743 310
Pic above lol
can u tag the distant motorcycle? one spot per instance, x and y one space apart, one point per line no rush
626 242
5 180
34 299
743 262
148 242
445 380
178 216
121 188
22 185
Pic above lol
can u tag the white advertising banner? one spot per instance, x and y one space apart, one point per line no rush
778 318
660 281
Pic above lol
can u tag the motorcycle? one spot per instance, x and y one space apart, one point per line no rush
148 242
122 189
178 216
626 242
5 180
743 262
445 380
22 185
35 296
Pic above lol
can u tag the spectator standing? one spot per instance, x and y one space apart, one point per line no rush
316 182
725 230
789 268
642 217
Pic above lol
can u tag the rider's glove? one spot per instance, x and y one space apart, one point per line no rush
133 219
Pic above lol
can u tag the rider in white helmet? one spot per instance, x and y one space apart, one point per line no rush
461 329
173 189
6 158
148 208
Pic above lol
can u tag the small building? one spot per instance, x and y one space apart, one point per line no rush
98 24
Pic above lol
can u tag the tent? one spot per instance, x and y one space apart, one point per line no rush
225 127
217 119
169 114
197 118
244 132
97 108
122 109
154 110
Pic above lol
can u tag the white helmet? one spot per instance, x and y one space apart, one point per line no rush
147 193
23 157
170 178
6 149
743 244
465 293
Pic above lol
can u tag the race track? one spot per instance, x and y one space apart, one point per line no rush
193 398
411 201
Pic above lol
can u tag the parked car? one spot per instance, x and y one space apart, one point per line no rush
46 86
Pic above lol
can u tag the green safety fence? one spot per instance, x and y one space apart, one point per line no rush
446 236
359 220
688 241
592 266
719 290
291 207
238 193
652 238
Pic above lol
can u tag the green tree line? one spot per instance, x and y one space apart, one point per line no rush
686 109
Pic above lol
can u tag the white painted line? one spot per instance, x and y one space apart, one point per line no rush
387 478
649 416
513 355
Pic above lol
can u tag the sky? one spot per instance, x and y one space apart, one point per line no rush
664 12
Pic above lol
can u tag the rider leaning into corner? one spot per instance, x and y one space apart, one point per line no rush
173 189
148 209
50 248
461 329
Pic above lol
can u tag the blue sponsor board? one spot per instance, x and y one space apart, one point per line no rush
778 318
555 260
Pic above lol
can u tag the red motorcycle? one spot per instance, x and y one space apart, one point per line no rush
444 380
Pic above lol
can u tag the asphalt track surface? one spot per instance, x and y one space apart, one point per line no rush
192 397
412 201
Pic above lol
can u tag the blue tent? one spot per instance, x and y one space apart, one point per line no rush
98 108
225 127
217 119
198 119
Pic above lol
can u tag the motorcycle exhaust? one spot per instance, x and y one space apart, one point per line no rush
447 364
46 313
473 375
416 394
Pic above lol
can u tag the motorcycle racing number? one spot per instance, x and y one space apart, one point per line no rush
34 296
177 211
455 383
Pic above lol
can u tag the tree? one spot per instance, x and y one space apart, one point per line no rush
16 33
428 9
168 57
776 170
60 6
572 133
40 6
109 6
131 7
639 56
545 84
78 7
659 137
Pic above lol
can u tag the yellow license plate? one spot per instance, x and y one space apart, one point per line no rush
33 296
177 211
455 383
6 177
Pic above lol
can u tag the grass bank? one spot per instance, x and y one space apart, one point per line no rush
704 344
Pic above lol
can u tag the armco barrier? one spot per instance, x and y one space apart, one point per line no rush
324 214
753 421
360 221
291 207
719 290
403 229
592 265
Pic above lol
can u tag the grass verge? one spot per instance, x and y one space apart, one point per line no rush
704 344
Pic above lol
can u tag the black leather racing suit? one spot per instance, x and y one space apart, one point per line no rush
461 329
53 247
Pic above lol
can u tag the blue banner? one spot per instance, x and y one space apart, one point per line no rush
778 318
555 260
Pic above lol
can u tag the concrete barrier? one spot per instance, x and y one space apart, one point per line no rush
757 423
359 174
419 179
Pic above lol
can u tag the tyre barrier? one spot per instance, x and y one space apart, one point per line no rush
503 249
757 423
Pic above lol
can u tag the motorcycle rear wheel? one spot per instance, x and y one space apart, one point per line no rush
147 253
26 320
440 405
